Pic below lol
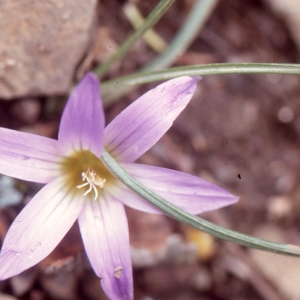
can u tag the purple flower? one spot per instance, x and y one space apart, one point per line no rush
78 185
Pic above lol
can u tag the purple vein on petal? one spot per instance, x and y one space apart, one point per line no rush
27 156
137 128
104 230
38 229
186 191
129 198
83 121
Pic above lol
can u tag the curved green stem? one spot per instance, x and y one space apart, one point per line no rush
113 88
194 221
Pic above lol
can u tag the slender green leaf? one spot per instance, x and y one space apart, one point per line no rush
112 88
150 21
194 221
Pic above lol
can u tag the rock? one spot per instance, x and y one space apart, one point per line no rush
41 44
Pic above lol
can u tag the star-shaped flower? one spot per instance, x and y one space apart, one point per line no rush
78 185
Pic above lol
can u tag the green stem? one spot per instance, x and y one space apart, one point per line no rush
151 20
112 88
192 220
153 40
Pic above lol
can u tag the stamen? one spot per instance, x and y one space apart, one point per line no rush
93 181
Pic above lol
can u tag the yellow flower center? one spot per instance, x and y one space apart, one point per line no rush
84 166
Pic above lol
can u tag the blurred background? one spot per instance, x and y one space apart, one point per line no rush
239 131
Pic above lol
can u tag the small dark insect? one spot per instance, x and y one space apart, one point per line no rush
239 176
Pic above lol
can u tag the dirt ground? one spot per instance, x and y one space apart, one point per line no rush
239 131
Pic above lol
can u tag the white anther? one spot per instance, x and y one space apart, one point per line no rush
93 181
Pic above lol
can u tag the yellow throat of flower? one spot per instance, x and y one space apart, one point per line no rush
84 173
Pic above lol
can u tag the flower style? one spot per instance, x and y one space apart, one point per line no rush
78 185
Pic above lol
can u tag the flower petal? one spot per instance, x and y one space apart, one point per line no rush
82 122
38 229
188 192
137 128
27 156
104 230
129 198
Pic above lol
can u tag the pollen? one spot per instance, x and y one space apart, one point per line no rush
92 181
118 272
